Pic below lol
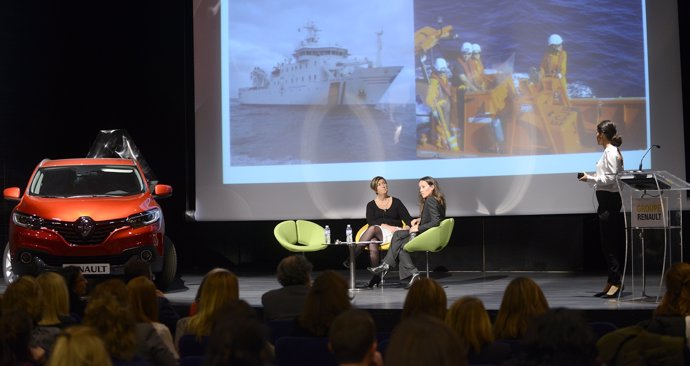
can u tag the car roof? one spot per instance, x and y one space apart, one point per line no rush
86 161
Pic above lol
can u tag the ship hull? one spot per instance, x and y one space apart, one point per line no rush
365 86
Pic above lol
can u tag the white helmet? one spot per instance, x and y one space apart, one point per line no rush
476 48
466 47
555 40
441 65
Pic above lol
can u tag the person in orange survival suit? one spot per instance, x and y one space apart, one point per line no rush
438 98
554 65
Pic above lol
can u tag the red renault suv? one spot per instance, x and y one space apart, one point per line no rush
95 213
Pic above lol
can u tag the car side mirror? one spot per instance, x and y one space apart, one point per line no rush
162 191
12 193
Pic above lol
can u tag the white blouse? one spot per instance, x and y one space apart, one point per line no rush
608 166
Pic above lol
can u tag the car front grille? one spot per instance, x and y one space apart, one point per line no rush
71 233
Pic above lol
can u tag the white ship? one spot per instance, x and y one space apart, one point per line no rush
319 74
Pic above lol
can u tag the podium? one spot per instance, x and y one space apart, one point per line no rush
653 214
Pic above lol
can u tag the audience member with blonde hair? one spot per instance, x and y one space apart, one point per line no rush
219 289
426 296
424 340
327 298
23 294
522 301
55 301
126 340
470 321
142 296
79 345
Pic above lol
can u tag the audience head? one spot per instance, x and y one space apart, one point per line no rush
108 313
114 287
203 280
424 340
23 294
142 299
425 296
136 267
79 345
219 288
75 280
54 299
327 298
559 337
522 301
470 321
238 337
676 299
352 337
436 192
16 326
294 270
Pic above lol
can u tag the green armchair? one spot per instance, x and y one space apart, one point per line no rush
432 240
300 236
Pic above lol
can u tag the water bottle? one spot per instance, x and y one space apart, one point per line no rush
348 234
327 234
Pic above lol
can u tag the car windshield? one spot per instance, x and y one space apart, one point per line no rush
87 181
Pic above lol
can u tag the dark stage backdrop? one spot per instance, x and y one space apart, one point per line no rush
70 69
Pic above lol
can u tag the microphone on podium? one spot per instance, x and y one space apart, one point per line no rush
645 154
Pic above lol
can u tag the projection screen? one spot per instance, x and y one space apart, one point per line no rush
297 107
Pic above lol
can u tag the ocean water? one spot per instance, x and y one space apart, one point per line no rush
604 39
277 135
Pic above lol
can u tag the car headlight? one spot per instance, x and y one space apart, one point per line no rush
145 218
32 222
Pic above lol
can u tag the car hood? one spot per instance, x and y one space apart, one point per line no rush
98 208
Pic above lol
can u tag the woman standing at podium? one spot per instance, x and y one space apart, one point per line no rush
608 197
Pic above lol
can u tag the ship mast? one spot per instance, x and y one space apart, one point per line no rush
379 46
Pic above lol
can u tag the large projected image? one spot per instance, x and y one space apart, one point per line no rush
436 85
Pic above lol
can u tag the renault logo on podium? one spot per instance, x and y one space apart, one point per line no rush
648 212
85 226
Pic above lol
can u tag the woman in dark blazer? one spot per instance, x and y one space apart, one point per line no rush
432 211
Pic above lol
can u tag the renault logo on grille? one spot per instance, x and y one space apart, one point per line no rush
85 226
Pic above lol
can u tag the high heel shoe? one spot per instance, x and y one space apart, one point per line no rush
604 291
375 281
414 279
613 292
380 269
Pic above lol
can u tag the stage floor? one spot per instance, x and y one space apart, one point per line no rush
569 290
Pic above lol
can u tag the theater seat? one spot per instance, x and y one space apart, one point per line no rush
304 351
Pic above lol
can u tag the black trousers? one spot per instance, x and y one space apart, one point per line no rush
611 232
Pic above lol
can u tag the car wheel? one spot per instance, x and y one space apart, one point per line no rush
167 275
7 270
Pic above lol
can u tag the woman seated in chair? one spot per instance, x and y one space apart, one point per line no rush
385 215
432 210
